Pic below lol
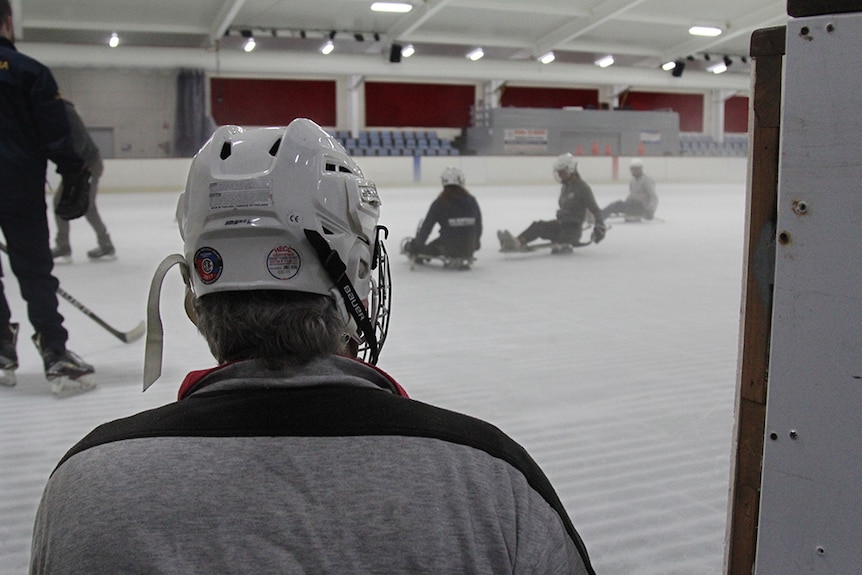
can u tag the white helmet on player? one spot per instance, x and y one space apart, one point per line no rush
636 163
565 167
287 209
453 176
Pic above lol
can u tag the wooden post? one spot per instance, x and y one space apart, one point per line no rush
767 51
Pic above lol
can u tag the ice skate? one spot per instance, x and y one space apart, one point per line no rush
509 243
560 249
8 355
62 254
102 253
66 371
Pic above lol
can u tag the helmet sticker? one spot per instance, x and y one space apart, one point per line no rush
209 265
283 262
252 193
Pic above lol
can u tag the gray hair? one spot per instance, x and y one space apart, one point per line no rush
277 327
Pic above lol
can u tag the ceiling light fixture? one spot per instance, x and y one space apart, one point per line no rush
709 31
397 7
547 57
327 48
408 51
114 41
668 66
605 61
476 54
249 40
719 68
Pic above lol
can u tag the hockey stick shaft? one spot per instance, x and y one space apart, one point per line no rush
126 337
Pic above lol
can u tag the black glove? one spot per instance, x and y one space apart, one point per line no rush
599 230
74 195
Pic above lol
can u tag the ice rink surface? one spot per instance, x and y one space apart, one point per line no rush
614 366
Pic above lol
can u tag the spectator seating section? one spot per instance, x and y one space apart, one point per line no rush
427 143
396 143
696 144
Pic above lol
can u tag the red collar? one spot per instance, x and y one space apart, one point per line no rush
194 377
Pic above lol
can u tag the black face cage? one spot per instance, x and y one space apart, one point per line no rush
380 302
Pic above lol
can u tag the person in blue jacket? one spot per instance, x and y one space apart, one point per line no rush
459 217
34 129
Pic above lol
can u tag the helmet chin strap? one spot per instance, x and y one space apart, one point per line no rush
335 268
155 330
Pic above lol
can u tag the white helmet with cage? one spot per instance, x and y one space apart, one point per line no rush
566 165
453 176
286 209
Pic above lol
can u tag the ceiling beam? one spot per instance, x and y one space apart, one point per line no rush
415 18
224 18
451 70
119 26
764 17
599 15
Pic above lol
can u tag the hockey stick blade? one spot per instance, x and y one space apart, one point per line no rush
124 336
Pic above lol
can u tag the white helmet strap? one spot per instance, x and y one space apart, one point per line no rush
155 331
335 268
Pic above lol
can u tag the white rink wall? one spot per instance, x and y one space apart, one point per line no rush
123 175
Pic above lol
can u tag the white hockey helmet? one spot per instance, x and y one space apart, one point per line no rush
565 164
287 209
636 163
453 176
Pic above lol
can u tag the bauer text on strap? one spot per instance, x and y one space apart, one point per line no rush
335 268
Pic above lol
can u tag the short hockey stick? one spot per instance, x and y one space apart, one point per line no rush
124 336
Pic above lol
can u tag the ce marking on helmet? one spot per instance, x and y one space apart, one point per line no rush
294 219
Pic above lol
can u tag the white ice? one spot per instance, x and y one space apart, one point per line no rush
614 366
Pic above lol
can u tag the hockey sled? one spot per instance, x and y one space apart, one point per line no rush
510 245
446 261
632 219
556 249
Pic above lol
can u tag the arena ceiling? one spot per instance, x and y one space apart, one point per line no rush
641 35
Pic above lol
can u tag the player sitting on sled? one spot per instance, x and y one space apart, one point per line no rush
564 232
457 213
642 200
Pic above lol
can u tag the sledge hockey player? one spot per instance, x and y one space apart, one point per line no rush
293 456
33 129
564 233
642 200
457 213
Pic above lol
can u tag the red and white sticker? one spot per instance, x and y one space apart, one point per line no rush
208 265
283 262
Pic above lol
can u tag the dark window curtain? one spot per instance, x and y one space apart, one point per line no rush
193 126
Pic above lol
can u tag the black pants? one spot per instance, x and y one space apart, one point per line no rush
554 231
25 226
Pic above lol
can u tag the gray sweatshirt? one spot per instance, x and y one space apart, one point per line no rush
327 468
